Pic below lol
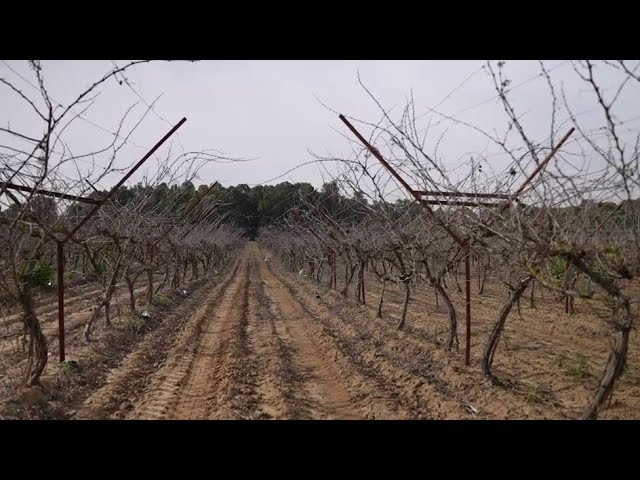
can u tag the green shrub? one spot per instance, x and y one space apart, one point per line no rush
41 274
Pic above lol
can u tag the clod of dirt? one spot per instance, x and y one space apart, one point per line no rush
32 395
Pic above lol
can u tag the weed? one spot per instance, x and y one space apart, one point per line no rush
561 360
133 320
538 393
579 367
161 300
69 366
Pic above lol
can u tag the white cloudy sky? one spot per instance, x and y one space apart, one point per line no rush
269 110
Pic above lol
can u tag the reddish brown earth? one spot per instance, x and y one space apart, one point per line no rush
260 343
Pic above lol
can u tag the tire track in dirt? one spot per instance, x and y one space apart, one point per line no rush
209 381
254 359
461 384
254 350
403 369
158 365
375 398
323 395
233 389
64 392
277 377
410 366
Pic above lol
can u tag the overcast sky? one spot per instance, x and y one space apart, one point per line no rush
270 110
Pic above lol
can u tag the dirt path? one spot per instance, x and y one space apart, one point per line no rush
319 381
252 357
261 344
222 334
257 342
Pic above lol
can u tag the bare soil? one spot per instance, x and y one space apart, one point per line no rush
257 342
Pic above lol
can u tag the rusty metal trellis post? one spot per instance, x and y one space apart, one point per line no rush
123 179
59 251
467 300
48 193
98 203
466 242
333 261
101 202
60 258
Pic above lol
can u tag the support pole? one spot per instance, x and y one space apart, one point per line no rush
123 180
97 206
60 255
150 271
464 243
467 282
333 270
